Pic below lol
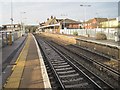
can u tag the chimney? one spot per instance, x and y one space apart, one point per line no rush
51 17
47 19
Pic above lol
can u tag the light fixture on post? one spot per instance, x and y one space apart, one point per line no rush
22 23
11 18
97 22
64 21
85 14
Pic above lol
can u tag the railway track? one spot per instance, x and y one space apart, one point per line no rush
91 57
105 72
98 57
69 74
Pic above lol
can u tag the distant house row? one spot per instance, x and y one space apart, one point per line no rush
55 25
101 23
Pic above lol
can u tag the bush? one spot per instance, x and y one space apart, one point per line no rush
75 33
101 36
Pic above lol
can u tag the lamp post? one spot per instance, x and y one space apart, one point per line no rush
11 38
11 15
85 14
64 20
97 22
108 28
22 22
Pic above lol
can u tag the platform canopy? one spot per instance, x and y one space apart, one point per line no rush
53 25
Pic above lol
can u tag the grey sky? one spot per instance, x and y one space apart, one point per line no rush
40 11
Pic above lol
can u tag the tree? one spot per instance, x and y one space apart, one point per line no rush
31 28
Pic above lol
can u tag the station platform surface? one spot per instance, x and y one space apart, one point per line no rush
9 55
9 49
104 42
30 71
109 42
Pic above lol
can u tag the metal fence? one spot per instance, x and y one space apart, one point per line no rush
110 32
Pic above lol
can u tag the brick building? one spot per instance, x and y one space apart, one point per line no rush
94 23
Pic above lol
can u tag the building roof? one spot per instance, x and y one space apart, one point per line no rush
112 19
97 19
52 25
56 22
69 21
10 24
51 21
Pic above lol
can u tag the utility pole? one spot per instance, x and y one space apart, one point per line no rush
85 14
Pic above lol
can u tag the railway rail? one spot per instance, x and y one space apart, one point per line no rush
98 57
67 71
105 72
92 58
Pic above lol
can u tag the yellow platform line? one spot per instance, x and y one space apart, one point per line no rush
15 78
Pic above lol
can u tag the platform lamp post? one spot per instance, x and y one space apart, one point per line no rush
85 14
11 15
22 23
64 20
97 22
11 38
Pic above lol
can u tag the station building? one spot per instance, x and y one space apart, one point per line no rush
54 25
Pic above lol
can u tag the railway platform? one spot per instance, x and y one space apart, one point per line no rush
9 49
9 54
29 71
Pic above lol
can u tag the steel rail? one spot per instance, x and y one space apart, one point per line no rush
92 60
51 66
79 69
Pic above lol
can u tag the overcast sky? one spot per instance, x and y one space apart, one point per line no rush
38 11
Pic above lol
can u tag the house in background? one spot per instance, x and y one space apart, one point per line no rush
110 23
54 25
70 24
94 23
